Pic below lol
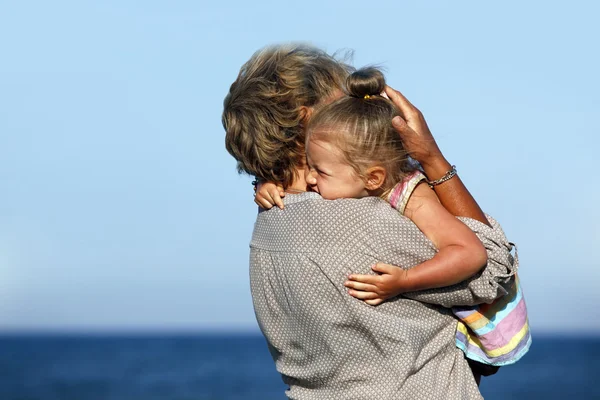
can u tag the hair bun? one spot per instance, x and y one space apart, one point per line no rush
365 82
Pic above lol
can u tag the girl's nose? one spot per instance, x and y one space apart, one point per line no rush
310 178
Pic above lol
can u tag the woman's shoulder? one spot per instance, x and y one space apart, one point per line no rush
365 210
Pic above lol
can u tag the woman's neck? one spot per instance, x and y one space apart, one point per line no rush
299 184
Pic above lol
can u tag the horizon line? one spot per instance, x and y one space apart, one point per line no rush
205 331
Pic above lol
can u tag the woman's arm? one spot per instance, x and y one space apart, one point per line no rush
421 145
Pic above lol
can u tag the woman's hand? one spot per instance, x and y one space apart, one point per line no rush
269 194
375 289
421 146
413 130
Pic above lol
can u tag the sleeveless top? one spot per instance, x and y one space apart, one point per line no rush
496 333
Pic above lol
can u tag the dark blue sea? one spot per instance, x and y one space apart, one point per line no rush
235 366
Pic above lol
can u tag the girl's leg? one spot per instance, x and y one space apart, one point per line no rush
480 370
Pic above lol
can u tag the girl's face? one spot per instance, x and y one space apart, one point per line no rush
329 175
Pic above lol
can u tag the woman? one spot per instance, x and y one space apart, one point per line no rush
266 109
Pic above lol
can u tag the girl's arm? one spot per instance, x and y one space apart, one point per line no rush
460 256
460 253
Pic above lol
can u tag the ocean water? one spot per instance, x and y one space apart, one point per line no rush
234 366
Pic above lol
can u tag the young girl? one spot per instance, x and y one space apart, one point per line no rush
352 152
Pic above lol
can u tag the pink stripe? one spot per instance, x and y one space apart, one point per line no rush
475 353
506 329
399 191
396 194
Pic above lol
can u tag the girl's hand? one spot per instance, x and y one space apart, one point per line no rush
375 289
413 130
269 194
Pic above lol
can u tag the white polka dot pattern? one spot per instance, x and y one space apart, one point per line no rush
329 345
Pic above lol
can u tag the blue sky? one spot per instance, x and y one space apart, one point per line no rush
120 208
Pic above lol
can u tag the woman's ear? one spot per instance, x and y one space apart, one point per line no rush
305 114
375 177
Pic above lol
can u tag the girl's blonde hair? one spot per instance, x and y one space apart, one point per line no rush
360 125
262 113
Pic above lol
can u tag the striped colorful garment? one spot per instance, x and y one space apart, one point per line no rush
494 334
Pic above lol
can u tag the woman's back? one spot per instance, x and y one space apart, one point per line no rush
327 344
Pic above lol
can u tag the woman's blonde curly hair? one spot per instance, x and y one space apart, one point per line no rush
263 111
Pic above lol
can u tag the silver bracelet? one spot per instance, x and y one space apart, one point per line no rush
449 175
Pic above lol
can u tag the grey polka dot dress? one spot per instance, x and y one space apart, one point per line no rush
329 345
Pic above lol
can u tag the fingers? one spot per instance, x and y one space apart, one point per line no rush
406 108
262 202
275 196
402 127
383 268
368 279
407 111
269 194
360 286
363 295
374 302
